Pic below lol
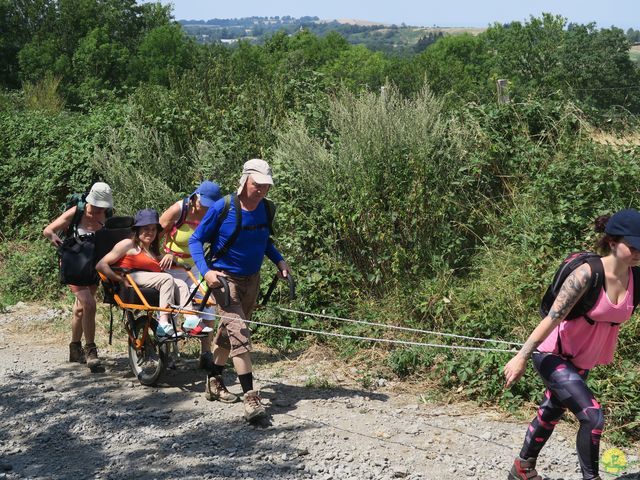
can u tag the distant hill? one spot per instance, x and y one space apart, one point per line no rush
399 39
353 21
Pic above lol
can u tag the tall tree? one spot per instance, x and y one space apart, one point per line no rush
163 50
528 54
84 42
18 20
457 64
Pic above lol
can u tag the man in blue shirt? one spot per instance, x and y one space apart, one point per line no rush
240 263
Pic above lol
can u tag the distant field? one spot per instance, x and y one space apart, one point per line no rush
457 30
446 30
400 39
635 53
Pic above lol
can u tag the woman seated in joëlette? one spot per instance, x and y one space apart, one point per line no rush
141 254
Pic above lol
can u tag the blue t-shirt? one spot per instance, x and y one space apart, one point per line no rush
247 252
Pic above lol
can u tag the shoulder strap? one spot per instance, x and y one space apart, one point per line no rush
183 212
213 256
270 208
590 297
72 230
636 286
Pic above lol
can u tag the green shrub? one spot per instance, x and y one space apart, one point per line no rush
383 182
390 210
29 271
44 94
45 158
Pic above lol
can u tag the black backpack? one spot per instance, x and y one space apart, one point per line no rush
590 297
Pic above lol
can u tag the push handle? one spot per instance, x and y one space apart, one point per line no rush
224 287
292 288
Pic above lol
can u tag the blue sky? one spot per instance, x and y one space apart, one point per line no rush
443 13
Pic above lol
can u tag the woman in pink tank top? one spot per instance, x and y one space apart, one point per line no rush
563 351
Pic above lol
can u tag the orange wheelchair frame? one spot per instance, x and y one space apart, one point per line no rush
149 355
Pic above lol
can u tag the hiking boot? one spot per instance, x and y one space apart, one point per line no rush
206 361
91 353
76 353
524 470
253 407
215 390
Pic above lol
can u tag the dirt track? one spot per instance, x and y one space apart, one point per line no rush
61 421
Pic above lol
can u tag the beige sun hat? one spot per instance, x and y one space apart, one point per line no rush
100 195
259 170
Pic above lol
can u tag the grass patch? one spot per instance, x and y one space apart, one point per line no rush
318 381
44 94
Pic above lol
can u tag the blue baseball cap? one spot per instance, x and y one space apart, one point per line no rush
209 193
625 223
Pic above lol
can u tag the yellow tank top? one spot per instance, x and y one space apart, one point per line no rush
178 241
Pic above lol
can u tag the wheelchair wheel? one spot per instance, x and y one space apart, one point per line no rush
147 357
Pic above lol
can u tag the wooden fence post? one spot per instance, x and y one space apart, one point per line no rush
503 93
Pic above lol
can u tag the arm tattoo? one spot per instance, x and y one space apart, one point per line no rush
572 289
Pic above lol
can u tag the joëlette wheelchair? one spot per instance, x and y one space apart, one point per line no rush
149 355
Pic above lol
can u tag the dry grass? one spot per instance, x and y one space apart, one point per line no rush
606 138
44 94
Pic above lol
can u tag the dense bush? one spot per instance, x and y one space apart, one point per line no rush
45 157
383 183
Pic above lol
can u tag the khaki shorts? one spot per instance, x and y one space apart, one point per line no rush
233 333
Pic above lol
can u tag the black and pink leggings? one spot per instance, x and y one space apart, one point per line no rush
566 388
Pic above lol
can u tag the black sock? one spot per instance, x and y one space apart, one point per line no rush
216 370
246 381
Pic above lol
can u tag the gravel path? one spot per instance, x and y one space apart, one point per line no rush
61 421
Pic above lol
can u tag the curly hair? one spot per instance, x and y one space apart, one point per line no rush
603 244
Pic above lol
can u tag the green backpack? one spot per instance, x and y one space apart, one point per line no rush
78 200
